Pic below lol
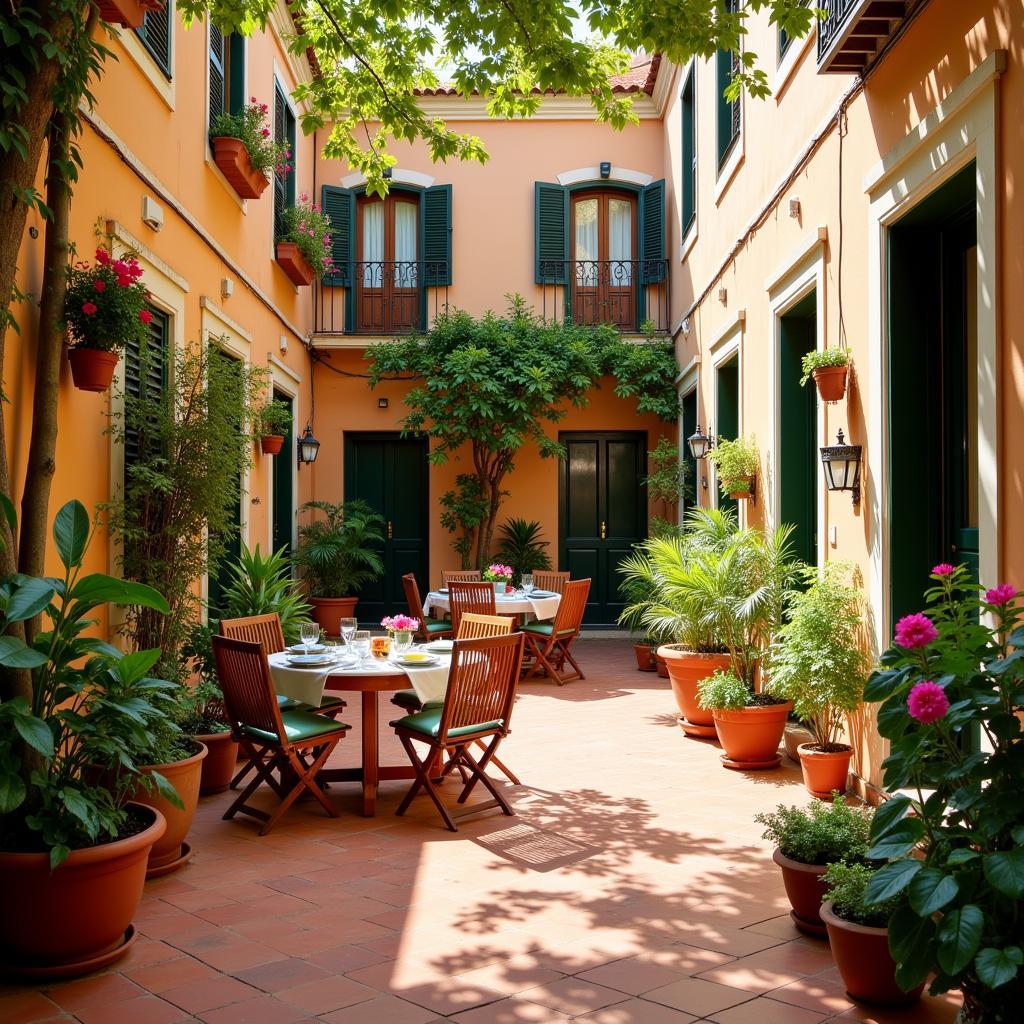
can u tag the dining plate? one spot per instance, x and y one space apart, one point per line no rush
301 649
414 659
440 646
442 590
543 593
310 660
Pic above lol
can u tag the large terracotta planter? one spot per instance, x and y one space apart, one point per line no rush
751 736
231 156
171 852
864 962
220 762
78 918
645 658
686 669
806 891
129 13
271 444
824 770
661 666
294 264
329 611
831 382
92 369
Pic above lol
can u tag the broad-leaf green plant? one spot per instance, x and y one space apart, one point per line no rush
339 551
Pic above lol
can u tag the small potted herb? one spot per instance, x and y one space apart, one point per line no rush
104 310
736 463
829 367
245 150
275 420
749 724
304 245
809 839
858 933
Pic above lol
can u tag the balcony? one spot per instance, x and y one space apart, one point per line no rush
627 294
381 297
855 32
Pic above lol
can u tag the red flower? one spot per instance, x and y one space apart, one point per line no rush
102 256
145 316
99 285
123 280
88 308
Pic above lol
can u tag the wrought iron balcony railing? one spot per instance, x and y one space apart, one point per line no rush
855 31
628 294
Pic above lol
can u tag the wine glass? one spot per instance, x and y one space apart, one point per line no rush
361 644
527 583
348 630
309 633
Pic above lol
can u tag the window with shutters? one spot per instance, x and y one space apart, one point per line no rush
145 372
604 265
284 135
227 73
689 152
155 35
729 111
388 271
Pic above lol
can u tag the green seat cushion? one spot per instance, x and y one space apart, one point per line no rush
406 699
298 725
545 629
439 626
428 721
326 704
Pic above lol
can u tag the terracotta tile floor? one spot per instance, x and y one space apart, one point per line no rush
630 888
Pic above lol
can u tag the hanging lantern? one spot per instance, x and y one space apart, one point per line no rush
700 444
841 463
308 446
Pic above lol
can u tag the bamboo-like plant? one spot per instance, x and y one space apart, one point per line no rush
339 551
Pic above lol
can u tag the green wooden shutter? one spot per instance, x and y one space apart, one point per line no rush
280 181
339 207
652 232
155 34
216 73
235 90
145 366
689 190
436 234
551 233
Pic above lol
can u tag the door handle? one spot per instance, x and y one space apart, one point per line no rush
604 530
390 530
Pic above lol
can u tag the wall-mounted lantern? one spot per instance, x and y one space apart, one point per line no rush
700 443
308 446
841 463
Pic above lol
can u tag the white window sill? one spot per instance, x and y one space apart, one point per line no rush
729 168
689 241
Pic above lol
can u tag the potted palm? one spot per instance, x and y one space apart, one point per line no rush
520 545
73 848
303 249
736 464
817 663
809 839
829 367
338 554
245 149
104 310
274 421
261 584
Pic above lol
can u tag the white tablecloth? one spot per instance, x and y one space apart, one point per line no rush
505 604
307 684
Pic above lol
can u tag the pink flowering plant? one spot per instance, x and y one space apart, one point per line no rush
952 842
308 227
498 573
400 623
105 305
251 125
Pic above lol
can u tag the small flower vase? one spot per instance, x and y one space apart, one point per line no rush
499 588
402 641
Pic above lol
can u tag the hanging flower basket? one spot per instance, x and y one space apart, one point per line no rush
92 369
293 263
741 488
232 157
271 444
831 382
129 13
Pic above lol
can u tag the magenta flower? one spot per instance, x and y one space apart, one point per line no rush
100 286
88 308
944 569
915 630
102 256
1003 594
400 622
927 702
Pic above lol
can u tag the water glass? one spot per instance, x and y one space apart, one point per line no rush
309 633
527 583
360 644
402 641
348 630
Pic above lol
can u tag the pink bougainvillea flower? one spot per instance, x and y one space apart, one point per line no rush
145 316
100 286
927 702
915 630
123 280
88 308
944 569
102 256
1003 594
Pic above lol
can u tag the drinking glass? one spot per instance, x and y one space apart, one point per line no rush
401 641
361 645
527 583
309 633
348 630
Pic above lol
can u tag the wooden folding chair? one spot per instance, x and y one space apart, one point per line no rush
296 744
474 597
459 576
553 581
548 643
430 629
478 705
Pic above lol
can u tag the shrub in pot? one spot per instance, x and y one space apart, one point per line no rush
817 663
859 936
338 554
749 724
303 247
199 713
245 150
274 421
829 367
809 839
955 858
736 463
73 850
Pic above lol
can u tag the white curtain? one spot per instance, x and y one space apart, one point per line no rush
405 245
586 251
620 241
373 244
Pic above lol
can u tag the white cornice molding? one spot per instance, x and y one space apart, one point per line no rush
808 245
205 302
664 86
283 28
399 176
620 174
552 108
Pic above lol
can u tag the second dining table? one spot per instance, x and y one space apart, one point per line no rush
540 604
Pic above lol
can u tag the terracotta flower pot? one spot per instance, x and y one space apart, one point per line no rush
685 670
794 735
751 736
742 487
824 770
78 918
329 611
294 264
831 382
806 891
231 156
92 369
660 665
129 13
645 659
271 444
220 762
864 962
171 852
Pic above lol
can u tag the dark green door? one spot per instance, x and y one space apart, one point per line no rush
283 484
933 390
798 459
390 473
727 384
688 426
602 513
219 578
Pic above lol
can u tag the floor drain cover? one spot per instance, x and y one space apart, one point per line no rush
534 848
